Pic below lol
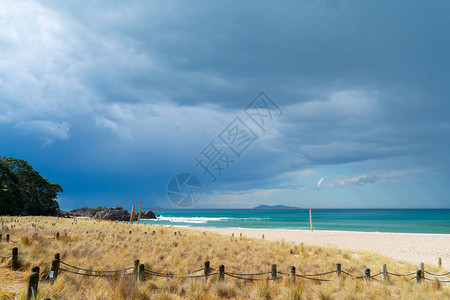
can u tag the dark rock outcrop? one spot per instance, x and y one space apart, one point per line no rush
148 215
63 214
81 212
115 213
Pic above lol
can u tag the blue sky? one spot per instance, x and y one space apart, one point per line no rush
111 99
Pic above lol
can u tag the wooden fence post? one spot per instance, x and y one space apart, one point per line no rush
135 268
367 274
0 237
207 269
439 259
55 269
57 235
274 271
32 288
15 259
293 274
338 270
141 272
139 216
418 275
132 214
7 237
422 269
263 236
384 272
221 272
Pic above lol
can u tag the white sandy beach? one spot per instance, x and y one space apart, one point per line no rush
411 247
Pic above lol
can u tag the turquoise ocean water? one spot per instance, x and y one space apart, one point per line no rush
382 220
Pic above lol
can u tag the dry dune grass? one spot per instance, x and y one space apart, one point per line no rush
109 246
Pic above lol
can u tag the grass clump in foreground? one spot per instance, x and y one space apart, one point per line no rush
103 245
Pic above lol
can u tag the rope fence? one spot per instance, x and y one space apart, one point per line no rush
275 275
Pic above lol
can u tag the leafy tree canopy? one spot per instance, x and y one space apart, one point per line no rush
23 191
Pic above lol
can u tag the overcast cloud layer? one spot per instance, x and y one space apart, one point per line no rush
111 99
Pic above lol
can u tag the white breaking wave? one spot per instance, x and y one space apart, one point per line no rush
202 220
197 220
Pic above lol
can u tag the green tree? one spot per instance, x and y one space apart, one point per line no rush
24 191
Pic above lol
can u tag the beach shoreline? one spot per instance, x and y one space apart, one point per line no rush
410 247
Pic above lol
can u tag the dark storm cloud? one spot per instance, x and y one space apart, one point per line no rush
141 87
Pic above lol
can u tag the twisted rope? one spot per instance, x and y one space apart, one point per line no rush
437 275
94 271
205 275
238 277
31 263
254 274
351 275
326 273
409 274
94 275
167 274
305 277
157 274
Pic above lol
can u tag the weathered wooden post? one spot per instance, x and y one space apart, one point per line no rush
0 237
154 232
58 259
367 274
132 214
141 272
263 236
175 233
207 269
7 237
221 272
439 259
338 270
274 271
32 288
136 268
15 259
232 235
384 272
57 236
129 232
422 269
54 269
293 274
139 216
240 234
418 275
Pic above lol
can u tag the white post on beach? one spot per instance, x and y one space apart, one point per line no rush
310 219
384 272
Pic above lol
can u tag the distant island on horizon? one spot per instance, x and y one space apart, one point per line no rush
276 207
